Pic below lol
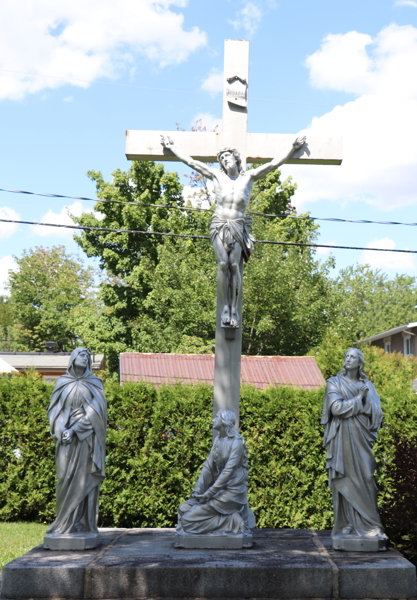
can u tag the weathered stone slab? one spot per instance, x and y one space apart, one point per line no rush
355 544
213 541
143 563
43 573
71 541
372 574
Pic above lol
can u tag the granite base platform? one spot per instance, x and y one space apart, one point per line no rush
143 563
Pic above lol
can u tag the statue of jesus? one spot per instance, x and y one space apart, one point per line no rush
229 227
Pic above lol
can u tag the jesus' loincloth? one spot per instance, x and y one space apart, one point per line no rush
231 231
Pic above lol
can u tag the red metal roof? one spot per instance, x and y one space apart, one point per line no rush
260 371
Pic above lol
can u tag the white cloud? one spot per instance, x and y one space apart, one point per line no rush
406 3
379 127
62 218
326 251
87 40
209 121
68 99
395 261
8 229
188 191
7 263
213 83
248 18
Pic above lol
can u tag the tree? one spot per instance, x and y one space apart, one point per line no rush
48 284
10 332
369 303
160 293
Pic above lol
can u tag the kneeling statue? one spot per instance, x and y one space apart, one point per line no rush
78 420
352 416
216 515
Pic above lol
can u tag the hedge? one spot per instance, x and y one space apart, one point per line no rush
158 440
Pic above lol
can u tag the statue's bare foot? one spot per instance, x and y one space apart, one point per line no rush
225 318
234 320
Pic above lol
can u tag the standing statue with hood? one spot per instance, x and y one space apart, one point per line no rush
352 416
78 420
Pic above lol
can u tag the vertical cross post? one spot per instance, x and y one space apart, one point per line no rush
226 387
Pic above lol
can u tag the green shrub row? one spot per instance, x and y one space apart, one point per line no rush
158 439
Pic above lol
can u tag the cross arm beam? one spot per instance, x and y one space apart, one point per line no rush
146 145
263 147
260 147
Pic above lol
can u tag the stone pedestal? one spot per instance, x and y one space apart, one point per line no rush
143 563
350 543
71 541
213 541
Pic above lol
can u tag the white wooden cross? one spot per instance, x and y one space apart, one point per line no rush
253 147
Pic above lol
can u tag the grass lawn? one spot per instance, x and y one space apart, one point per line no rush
18 538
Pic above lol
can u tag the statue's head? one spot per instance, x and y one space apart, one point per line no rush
231 156
228 419
80 361
354 359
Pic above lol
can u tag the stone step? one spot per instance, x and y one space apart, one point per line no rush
143 563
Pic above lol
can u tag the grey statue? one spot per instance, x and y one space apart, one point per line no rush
229 227
219 503
352 416
78 420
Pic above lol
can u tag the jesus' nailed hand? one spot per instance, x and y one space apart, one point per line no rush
229 228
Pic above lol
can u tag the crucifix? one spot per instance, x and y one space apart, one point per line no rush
232 147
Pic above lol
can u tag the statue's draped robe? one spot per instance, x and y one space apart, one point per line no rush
225 473
79 404
231 231
350 430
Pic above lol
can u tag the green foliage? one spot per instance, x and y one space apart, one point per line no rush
158 440
150 476
287 481
27 484
9 330
47 286
369 303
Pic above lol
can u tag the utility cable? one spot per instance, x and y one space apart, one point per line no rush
170 206
198 237
154 89
185 208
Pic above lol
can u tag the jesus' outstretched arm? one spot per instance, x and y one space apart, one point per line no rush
197 165
278 161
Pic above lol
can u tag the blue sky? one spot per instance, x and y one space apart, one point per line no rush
329 67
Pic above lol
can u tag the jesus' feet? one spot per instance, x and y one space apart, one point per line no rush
225 318
234 320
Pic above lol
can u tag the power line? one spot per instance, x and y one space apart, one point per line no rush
109 201
199 237
154 89
185 208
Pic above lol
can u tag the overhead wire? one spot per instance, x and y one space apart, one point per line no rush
193 208
201 237
155 89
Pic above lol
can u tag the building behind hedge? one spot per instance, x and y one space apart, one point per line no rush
259 371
